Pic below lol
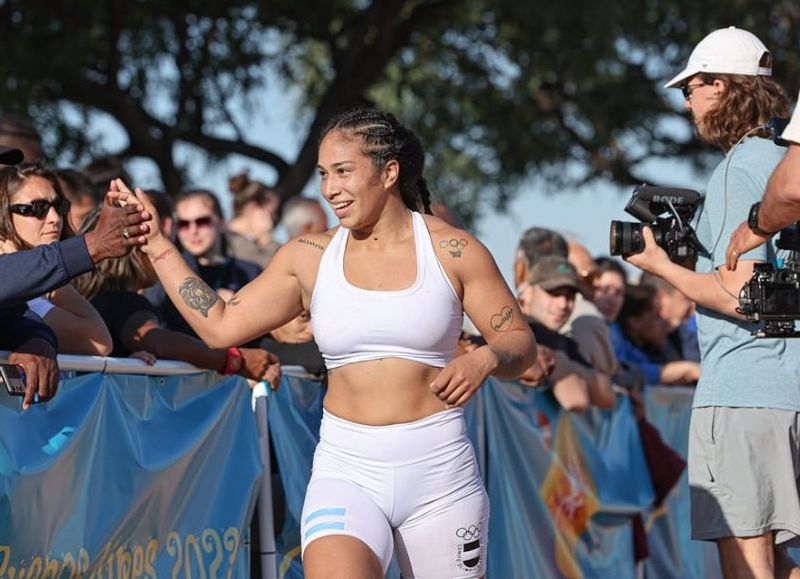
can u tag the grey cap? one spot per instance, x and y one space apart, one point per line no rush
552 272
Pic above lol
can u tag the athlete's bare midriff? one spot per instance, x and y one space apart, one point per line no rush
381 392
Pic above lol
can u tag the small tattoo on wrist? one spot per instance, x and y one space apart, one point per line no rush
162 255
311 243
454 246
502 321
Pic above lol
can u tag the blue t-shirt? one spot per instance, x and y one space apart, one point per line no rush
737 369
626 351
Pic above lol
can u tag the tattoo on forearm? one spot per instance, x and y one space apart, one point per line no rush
506 358
162 255
454 246
235 300
197 295
305 241
502 322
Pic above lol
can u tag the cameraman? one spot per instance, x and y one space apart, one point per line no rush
743 439
781 203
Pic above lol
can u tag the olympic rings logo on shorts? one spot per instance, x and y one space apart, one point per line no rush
469 533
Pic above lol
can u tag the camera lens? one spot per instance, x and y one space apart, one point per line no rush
625 238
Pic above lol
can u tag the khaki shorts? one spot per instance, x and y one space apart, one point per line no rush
743 473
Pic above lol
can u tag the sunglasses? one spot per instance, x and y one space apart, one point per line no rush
41 207
206 221
688 89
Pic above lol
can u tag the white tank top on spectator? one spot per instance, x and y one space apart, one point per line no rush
420 323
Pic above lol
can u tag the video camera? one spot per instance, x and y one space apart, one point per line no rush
668 212
772 295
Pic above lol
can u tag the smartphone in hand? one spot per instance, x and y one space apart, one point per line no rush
13 377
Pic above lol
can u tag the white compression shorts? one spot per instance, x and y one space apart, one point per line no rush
413 487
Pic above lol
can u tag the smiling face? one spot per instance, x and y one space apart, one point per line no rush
551 308
31 229
355 189
608 294
198 226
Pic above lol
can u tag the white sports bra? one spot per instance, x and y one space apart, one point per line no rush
420 323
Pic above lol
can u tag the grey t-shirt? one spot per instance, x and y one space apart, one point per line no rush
737 369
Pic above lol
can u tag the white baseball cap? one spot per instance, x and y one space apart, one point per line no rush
728 51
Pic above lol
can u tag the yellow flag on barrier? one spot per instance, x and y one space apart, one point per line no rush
569 492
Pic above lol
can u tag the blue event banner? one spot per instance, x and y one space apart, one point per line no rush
129 476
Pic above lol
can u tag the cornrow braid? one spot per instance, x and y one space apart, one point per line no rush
385 139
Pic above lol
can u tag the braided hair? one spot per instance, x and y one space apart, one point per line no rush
385 139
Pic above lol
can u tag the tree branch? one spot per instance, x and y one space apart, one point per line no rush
359 67
239 147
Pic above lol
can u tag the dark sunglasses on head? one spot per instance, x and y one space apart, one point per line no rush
40 207
206 221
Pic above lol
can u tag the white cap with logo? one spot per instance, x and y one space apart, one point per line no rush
725 51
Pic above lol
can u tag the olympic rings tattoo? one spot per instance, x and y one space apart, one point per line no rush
454 246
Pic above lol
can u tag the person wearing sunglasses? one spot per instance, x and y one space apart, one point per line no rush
199 226
33 272
35 212
743 436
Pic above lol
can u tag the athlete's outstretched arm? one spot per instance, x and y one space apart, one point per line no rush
269 301
511 347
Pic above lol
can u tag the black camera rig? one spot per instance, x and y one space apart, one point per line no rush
668 212
772 294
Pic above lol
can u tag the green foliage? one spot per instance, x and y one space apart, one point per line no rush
500 90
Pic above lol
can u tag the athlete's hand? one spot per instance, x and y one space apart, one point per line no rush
121 194
462 377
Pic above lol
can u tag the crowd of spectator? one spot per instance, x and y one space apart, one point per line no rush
605 332
71 290
596 331
92 293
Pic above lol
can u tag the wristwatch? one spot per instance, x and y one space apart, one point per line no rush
752 220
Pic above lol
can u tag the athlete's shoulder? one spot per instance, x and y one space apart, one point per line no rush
311 242
302 252
452 241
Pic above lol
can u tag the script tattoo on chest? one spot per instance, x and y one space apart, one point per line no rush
197 295
454 246
305 241
502 321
